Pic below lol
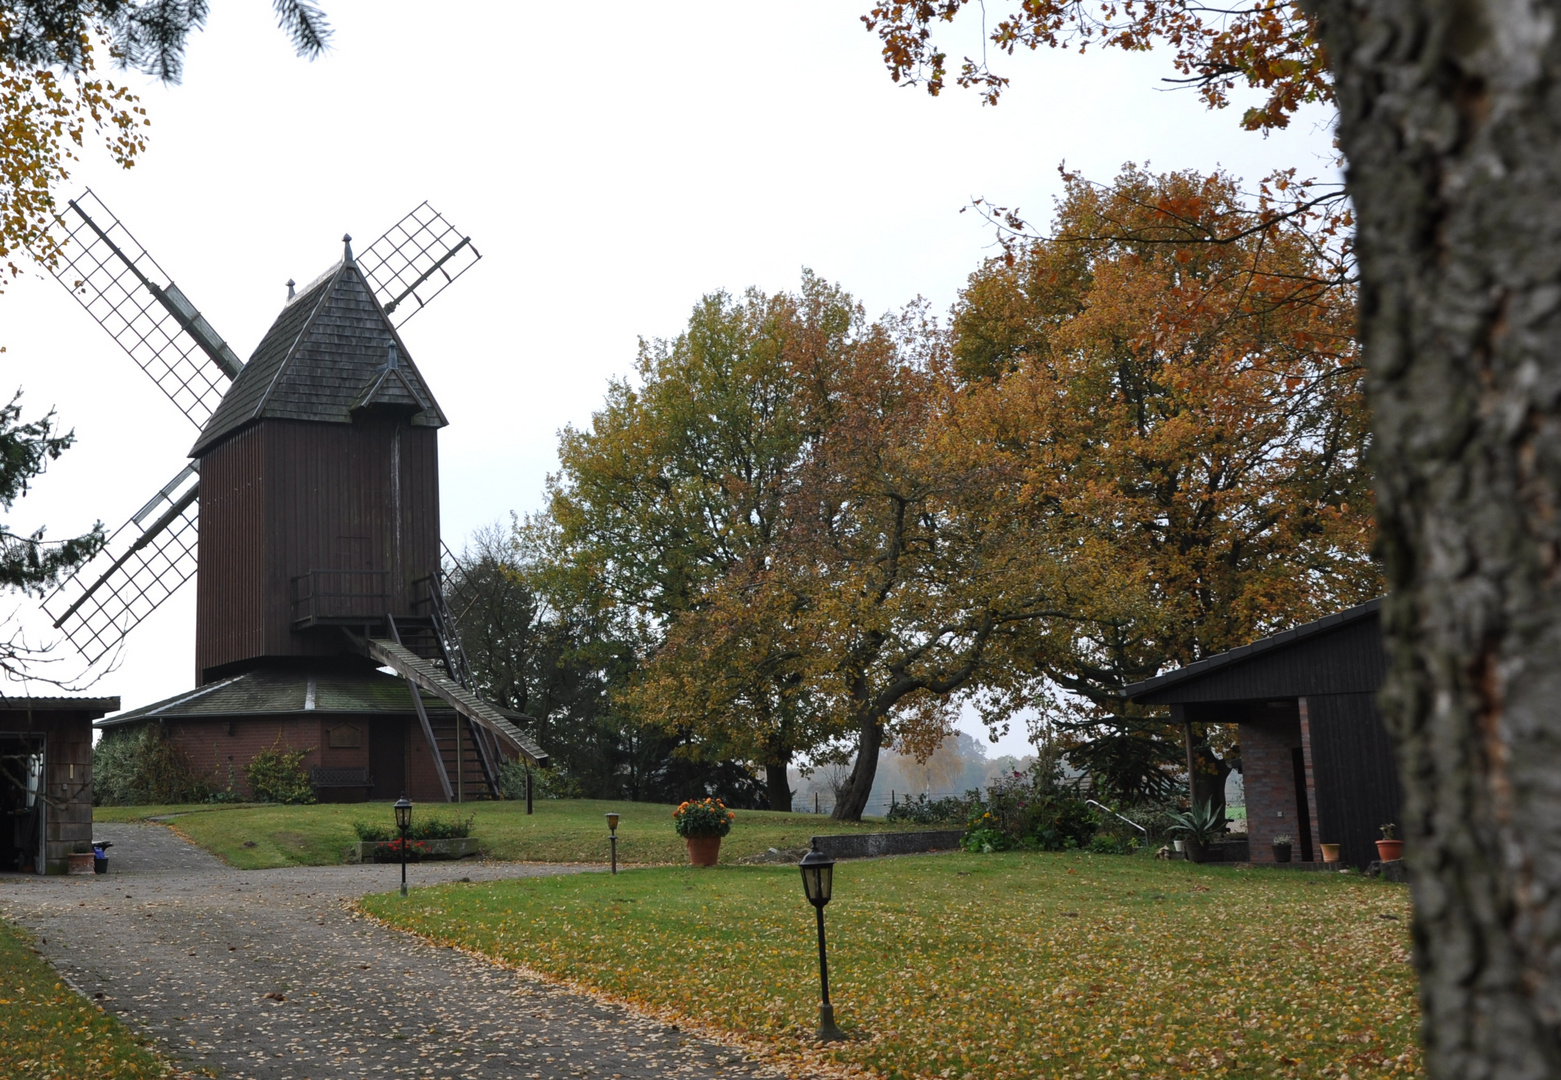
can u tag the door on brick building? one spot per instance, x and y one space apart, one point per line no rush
1303 810
21 803
388 757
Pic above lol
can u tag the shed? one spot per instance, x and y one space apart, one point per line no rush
46 780
1316 760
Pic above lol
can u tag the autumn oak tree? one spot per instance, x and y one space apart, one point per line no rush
1184 422
800 561
1451 128
678 482
910 589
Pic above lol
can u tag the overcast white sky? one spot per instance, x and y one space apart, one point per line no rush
612 164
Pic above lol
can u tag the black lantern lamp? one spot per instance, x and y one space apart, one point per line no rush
612 828
818 873
403 823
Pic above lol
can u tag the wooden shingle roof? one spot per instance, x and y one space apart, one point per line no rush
329 352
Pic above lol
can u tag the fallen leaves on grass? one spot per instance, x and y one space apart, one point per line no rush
982 967
48 1030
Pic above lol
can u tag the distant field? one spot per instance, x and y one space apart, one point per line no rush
564 830
982 967
48 1030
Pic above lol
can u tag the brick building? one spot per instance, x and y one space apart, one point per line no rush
1316 762
46 780
353 725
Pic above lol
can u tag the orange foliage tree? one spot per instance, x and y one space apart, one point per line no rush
1180 422
1270 45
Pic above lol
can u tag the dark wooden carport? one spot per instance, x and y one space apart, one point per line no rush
1316 760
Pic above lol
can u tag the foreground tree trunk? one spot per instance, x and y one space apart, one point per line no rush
1450 118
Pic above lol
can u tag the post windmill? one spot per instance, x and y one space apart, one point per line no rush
313 490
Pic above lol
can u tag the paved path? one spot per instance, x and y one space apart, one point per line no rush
187 949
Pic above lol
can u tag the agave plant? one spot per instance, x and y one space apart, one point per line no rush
1202 824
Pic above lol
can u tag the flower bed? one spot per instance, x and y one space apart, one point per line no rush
417 850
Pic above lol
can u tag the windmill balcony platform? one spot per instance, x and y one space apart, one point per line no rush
340 598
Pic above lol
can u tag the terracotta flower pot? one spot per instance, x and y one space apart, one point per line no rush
1390 850
1281 852
1330 852
703 850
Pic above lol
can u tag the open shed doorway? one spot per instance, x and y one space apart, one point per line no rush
22 805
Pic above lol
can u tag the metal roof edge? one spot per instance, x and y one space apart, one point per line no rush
432 705
148 712
1252 649
58 704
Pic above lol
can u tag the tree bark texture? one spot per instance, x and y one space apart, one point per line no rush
777 786
1450 119
859 785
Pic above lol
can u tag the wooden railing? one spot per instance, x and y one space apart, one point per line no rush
340 596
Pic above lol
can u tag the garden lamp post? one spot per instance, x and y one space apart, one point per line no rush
818 871
612 828
403 823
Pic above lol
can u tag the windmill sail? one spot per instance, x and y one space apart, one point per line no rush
143 563
110 274
416 260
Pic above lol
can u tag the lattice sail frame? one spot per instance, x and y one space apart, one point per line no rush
145 562
111 275
417 259
102 265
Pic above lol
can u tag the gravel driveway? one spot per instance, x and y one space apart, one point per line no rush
266 974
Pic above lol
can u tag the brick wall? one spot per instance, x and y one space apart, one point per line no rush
67 759
219 749
1268 773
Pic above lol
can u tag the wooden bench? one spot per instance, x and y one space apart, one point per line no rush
328 780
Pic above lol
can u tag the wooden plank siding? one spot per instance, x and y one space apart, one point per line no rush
1357 781
283 497
1347 660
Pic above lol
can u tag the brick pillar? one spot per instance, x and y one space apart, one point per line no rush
1269 775
1311 777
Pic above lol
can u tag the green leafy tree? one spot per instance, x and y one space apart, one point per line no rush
679 483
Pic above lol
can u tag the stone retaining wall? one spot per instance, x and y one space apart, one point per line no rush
873 845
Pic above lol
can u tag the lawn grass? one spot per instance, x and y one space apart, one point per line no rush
564 830
48 1030
982 967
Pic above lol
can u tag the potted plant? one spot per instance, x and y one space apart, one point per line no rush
1390 848
1282 845
702 823
1200 827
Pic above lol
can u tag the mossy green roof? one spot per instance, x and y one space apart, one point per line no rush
287 693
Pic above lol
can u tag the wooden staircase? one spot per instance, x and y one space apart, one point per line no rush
468 747
468 772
